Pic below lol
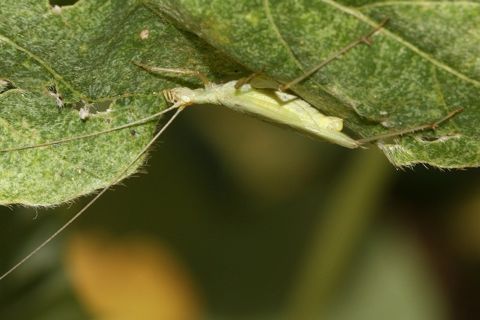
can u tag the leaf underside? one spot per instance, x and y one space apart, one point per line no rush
423 64
86 53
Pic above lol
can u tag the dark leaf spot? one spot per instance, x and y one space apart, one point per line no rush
6 85
62 3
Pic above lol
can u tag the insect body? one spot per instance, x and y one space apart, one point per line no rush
52 90
274 106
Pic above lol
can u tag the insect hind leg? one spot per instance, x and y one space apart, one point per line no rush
365 39
430 126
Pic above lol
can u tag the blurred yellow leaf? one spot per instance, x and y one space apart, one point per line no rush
134 278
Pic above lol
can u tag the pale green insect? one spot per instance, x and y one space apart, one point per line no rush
250 96
271 105
270 102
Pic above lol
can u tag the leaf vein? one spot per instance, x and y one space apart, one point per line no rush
441 95
416 3
360 16
268 14
42 63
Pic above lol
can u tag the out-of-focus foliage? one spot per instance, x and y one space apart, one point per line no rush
134 278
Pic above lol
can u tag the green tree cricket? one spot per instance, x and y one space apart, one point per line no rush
273 105
269 101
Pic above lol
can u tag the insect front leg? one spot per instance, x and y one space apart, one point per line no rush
194 73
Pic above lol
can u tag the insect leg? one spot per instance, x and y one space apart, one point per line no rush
431 126
202 77
365 39
242 81
118 177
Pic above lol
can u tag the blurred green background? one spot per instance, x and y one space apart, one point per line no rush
233 218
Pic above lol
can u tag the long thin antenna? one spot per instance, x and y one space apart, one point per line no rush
79 213
366 39
91 135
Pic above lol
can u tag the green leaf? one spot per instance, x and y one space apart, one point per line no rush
423 64
84 54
